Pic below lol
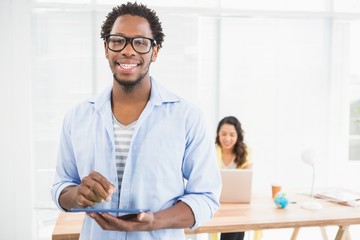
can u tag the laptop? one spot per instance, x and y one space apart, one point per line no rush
236 185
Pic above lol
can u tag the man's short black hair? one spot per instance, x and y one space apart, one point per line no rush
134 9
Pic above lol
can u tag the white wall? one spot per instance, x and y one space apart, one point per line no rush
274 69
15 123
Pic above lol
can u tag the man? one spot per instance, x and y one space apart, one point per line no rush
136 145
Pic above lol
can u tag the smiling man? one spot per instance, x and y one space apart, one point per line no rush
136 145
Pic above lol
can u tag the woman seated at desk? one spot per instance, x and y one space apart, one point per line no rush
232 153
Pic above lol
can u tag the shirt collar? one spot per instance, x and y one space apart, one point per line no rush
159 95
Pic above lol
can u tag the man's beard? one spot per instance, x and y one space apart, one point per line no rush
129 86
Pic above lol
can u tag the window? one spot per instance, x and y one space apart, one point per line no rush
62 75
354 92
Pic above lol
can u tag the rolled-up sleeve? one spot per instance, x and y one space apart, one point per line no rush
66 171
200 168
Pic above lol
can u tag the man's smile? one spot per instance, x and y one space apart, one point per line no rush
128 66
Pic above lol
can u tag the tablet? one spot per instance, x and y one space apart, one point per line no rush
114 210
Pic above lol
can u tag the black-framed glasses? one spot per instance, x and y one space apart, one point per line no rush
117 43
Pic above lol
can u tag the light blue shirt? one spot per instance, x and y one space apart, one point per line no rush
172 157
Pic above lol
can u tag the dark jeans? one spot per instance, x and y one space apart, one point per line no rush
232 236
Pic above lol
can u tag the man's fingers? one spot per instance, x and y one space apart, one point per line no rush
145 217
82 201
109 188
128 223
86 196
101 219
98 188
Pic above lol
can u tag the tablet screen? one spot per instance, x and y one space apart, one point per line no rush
114 210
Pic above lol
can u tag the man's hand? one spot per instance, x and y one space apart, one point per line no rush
93 188
129 223
178 216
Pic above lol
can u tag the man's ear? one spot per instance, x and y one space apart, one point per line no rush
155 53
106 50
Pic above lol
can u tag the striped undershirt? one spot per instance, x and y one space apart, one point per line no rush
122 137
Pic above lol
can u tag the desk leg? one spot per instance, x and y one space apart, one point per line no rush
295 233
323 233
343 231
347 234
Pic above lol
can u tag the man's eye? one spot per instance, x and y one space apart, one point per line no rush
140 42
118 41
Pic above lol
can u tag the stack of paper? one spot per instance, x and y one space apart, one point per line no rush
341 196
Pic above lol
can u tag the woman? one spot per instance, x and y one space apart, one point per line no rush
232 153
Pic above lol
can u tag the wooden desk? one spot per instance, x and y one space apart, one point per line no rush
68 226
260 214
